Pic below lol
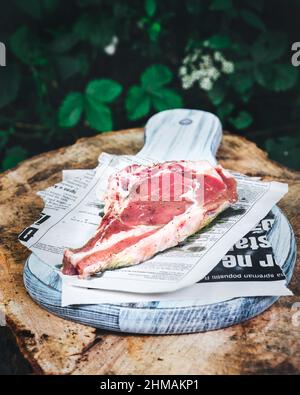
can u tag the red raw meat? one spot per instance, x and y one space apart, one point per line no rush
149 209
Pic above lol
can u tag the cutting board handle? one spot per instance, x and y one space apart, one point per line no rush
182 134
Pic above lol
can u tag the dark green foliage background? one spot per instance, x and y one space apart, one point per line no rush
59 83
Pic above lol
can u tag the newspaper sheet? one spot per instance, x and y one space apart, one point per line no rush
71 216
248 269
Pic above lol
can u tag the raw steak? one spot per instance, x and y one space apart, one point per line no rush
150 209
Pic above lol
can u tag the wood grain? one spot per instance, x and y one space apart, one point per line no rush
266 344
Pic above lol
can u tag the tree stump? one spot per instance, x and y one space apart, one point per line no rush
268 343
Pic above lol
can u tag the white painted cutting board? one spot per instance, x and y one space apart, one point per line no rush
169 135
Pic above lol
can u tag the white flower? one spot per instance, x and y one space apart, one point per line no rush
186 85
197 75
110 49
183 70
194 57
206 84
206 60
218 56
186 60
227 67
187 82
203 68
213 73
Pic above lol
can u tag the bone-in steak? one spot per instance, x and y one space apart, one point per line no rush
149 209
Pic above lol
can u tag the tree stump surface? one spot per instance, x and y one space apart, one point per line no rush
267 344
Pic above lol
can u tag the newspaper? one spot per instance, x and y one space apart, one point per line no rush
71 216
248 269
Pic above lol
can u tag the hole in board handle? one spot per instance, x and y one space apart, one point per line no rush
185 121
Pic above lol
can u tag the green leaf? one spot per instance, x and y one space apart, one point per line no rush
247 96
286 77
242 82
4 138
218 41
82 27
256 5
242 120
217 94
98 115
30 7
252 19
50 5
121 9
221 5
166 99
244 65
156 76
9 83
224 110
13 156
95 29
69 66
277 77
63 42
104 90
83 63
70 110
194 7
27 47
150 7
37 8
154 31
137 103
268 47
286 150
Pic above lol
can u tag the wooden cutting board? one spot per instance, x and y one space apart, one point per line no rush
266 344
169 135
